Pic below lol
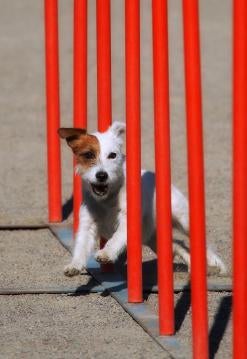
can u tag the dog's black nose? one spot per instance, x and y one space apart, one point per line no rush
101 176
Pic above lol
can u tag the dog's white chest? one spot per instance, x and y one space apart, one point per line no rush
105 217
108 224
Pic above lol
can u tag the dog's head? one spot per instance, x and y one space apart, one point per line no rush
99 157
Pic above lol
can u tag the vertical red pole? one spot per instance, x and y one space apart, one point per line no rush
162 167
104 64
80 89
133 146
53 111
239 178
196 178
103 14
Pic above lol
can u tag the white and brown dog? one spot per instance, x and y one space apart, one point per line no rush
101 164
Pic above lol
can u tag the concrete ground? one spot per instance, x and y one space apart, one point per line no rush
23 192
58 325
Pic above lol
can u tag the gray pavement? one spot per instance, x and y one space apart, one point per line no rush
59 326
34 259
23 192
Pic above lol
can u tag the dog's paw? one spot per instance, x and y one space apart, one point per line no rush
215 264
71 270
102 256
217 271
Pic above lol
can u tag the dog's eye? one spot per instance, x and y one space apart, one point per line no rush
112 155
88 155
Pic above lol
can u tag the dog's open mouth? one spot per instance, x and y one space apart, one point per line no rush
99 189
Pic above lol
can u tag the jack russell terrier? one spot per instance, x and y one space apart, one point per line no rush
101 164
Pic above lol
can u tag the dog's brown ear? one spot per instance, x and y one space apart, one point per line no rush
71 134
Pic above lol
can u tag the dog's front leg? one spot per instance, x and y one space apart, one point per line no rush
84 243
116 245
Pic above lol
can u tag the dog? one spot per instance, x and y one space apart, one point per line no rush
101 164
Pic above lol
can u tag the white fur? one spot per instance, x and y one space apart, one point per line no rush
105 216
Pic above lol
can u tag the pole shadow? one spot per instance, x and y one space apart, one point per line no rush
181 309
219 326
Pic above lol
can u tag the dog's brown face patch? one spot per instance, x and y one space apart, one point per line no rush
85 147
87 151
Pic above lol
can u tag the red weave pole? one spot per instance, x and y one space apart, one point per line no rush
80 89
53 111
103 14
162 167
239 179
103 9
133 149
196 178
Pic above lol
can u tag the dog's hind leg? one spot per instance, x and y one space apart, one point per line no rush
180 211
182 252
180 214
84 244
215 261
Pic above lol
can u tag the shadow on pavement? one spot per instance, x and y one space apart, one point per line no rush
181 309
219 326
